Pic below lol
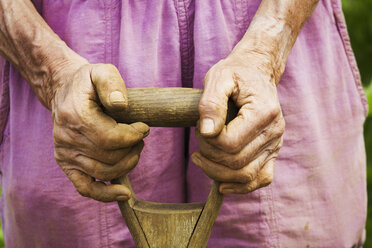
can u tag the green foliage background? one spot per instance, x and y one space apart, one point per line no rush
359 20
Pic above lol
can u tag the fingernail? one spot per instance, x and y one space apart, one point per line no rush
122 198
207 126
116 97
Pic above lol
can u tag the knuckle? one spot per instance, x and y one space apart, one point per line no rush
63 155
273 110
82 189
268 110
233 143
58 139
212 101
58 156
209 74
280 145
248 188
61 136
56 133
63 115
207 103
267 177
104 67
273 149
247 176
111 76
232 147
281 125
277 129
275 133
267 180
111 68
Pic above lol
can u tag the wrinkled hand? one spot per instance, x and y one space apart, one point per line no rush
90 145
240 155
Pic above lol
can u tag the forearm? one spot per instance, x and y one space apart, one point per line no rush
274 30
32 47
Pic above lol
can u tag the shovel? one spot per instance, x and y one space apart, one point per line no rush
168 225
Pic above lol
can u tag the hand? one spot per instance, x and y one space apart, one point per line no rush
240 155
90 145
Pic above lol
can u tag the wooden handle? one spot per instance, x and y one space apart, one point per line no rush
164 107
161 224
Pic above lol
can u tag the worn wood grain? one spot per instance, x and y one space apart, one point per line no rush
164 107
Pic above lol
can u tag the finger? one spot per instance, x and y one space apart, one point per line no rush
107 172
99 191
106 133
65 138
213 103
263 179
222 173
238 160
100 170
109 157
246 127
110 86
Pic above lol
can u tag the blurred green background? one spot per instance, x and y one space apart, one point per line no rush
358 14
359 21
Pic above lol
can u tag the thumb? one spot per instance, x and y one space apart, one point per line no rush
110 86
212 110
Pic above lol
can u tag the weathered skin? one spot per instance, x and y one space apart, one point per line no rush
242 154
90 145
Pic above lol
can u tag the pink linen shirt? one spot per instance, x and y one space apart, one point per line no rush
318 196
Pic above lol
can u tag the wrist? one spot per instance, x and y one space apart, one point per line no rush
269 41
33 48
59 63
263 62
